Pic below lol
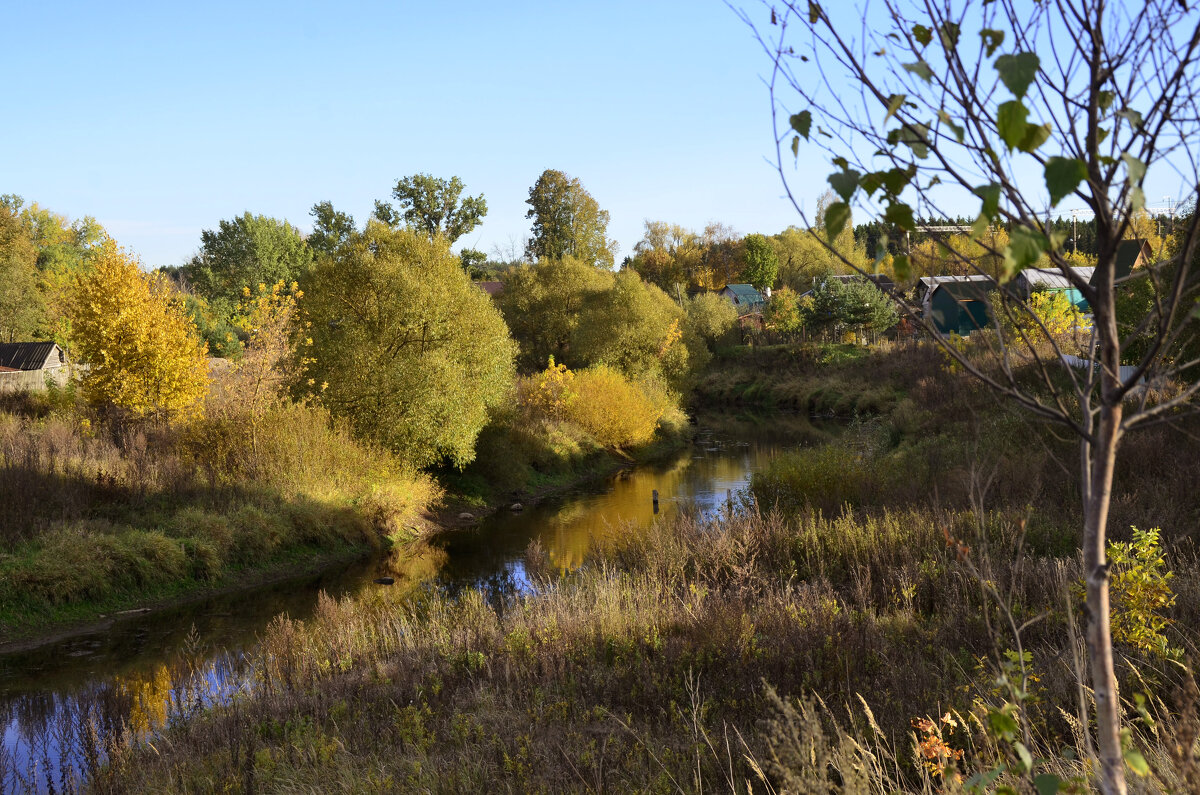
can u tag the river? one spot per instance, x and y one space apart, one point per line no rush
143 670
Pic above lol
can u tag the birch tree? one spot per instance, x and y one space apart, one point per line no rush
923 109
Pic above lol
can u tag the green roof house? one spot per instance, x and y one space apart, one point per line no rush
956 304
744 297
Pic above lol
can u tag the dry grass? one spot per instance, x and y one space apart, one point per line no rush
647 671
104 516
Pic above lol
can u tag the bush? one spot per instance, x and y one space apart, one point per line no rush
614 411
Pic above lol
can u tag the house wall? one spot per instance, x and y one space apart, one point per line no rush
33 380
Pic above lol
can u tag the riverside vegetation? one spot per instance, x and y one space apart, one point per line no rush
894 611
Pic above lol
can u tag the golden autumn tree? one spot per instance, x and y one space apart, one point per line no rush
140 348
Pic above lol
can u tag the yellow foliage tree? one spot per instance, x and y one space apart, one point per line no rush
139 346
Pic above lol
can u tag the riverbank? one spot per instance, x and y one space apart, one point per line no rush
118 520
682 660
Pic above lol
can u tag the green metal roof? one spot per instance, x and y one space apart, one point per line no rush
745 292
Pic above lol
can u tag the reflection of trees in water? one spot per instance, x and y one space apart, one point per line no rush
58 742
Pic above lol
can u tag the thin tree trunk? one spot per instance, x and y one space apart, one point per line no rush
1100 455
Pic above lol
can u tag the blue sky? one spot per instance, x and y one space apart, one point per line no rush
161 119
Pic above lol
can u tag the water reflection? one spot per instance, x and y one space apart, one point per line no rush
142 673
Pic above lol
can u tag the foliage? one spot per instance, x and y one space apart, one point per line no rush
603 403
613 410
854 303
22 305
543 303
404 347
710 316
782 312
567 222
133 333
762 263
434 206
331 228
669 255
216 330
244 252
1141 593
637 329
549 393
1046 312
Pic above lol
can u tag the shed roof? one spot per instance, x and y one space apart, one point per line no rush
29 355
1131 254
744 292
491 288
1053 278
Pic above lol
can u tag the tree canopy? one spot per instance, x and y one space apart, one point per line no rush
567 222
404 347
245 252
131 330
433 206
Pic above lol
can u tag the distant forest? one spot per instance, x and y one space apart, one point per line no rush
867 234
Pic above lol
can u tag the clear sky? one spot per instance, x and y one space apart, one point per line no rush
160 119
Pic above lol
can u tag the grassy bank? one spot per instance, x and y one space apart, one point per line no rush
112 518
689 659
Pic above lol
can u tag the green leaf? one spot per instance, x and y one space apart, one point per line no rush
802 122
900 215
1010 123
991 39
948 33
1137 763
836 216
1026 757
920 69
1046 784
1063 175
897 179
894 103
958 131
900 264
1132 116
1136 168
1017 71
1101 134
990 194
915 136
845 183
814 12
871 182
922 34
1035 136
841 162
796 146
1024 248
1002 724
1104 99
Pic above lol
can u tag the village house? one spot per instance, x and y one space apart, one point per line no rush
28 365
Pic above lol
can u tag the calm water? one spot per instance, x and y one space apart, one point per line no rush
142 670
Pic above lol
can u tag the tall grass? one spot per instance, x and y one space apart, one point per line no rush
100 515
702 656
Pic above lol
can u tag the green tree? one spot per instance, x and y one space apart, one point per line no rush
243 253
433 206
762 263
331 228
404 346
22 305
710 316
567 222
638 329
542 305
